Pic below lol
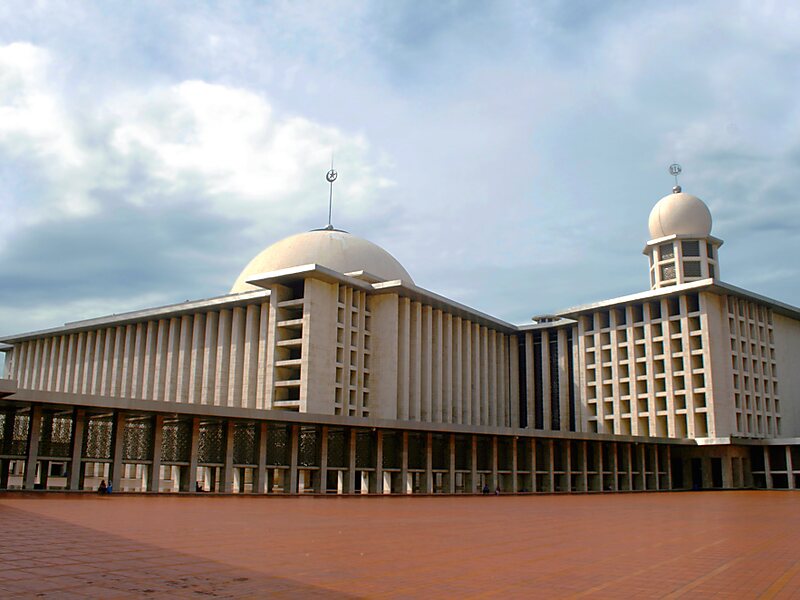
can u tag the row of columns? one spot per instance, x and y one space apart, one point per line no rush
622 477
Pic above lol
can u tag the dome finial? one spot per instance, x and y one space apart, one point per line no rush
331 177
675 170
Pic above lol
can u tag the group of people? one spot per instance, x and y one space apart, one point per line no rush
104 488
486 489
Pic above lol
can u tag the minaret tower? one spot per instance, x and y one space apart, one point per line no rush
681 248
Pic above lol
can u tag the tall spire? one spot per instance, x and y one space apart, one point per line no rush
331 177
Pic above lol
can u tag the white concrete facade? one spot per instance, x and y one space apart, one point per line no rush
691 359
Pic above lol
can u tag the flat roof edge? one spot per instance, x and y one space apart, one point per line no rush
711 285
126 318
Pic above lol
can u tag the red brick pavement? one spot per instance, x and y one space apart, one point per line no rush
707 544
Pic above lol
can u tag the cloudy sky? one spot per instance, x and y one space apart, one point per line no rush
507 153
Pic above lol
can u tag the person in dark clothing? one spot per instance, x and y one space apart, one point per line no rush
485 488
101 489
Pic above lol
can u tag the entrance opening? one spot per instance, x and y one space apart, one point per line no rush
677 474
716 472
697 474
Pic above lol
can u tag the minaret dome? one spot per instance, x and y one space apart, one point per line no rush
681 248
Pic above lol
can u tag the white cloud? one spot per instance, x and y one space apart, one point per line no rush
35 128
228 143
222 148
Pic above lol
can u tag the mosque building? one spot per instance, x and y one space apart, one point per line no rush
325 369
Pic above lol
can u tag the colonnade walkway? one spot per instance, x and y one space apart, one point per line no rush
74 448
732 544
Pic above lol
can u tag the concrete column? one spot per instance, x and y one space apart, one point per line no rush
551 466
629 455
600 466
261 471
514 483
429 463
117 446
615 466
227 469
568 464
545 380
688 475
351 462
155 467
727 472
495 478
669 467
705 467
190 477
532 449
747 472
473 463
404 465
34 434
451 469
377 486
322 483
585 465
209 364
767 468
46 434
295 449
75 476
789 467
656 451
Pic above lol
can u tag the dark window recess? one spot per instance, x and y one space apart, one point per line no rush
716 472
691 268
555 405
523 383
484 453
691 248
538 393
571 379
416 450
463 452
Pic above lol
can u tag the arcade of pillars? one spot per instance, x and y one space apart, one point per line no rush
70 448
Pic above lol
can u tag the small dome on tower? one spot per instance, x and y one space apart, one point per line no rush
332 248
680 214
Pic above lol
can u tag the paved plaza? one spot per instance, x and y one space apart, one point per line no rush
668 545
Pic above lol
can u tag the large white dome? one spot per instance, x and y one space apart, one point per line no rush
680 214
337 250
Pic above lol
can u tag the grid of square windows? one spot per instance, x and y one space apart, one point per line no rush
755 378
353 354
645 369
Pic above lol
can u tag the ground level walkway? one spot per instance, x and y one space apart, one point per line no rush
738 544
